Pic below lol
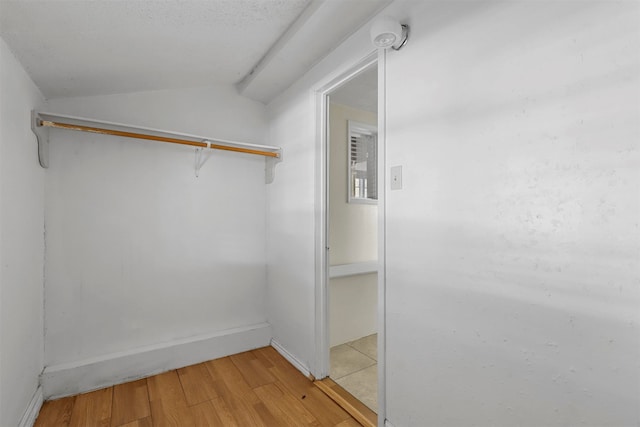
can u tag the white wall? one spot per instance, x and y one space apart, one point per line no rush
140 252
353 227
21 242
513 249
292 207
353 231
290 232
353 308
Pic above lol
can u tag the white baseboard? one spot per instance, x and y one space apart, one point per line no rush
92 374
291 358
30 415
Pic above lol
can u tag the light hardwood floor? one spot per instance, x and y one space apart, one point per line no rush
256 388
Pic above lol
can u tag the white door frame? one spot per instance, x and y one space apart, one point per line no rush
322 220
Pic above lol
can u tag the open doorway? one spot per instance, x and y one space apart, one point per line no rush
352 228
374 64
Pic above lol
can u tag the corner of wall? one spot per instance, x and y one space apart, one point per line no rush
21 246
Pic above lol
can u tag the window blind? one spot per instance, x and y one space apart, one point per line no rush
363 157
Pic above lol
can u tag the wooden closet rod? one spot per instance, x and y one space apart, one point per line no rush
155 138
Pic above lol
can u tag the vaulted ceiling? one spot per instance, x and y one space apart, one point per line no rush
83 47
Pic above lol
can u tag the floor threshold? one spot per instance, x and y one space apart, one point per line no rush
358 410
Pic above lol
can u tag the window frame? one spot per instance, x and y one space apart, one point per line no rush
366 129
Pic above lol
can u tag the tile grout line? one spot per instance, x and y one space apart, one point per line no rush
355 372
340 381
348 345
360 339
364 354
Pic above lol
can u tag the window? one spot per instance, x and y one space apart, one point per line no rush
363 163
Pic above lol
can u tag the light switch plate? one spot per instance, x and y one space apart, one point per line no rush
396 178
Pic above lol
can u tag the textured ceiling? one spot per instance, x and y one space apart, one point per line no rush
97 47
79 48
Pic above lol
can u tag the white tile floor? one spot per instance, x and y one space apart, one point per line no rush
354 366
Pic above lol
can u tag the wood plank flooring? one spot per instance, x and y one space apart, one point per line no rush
255 388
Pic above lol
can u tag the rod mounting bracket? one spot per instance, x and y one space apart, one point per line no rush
270 168
42 135
200 161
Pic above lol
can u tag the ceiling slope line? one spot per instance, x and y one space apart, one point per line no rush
279 44
322 27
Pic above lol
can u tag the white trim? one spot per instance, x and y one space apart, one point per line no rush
291 358
322 207
322 154
382 254
92 374
321 368
29 417
353 269
388 424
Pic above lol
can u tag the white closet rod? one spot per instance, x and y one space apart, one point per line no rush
119 129
41 122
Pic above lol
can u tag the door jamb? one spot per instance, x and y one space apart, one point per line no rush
322 220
